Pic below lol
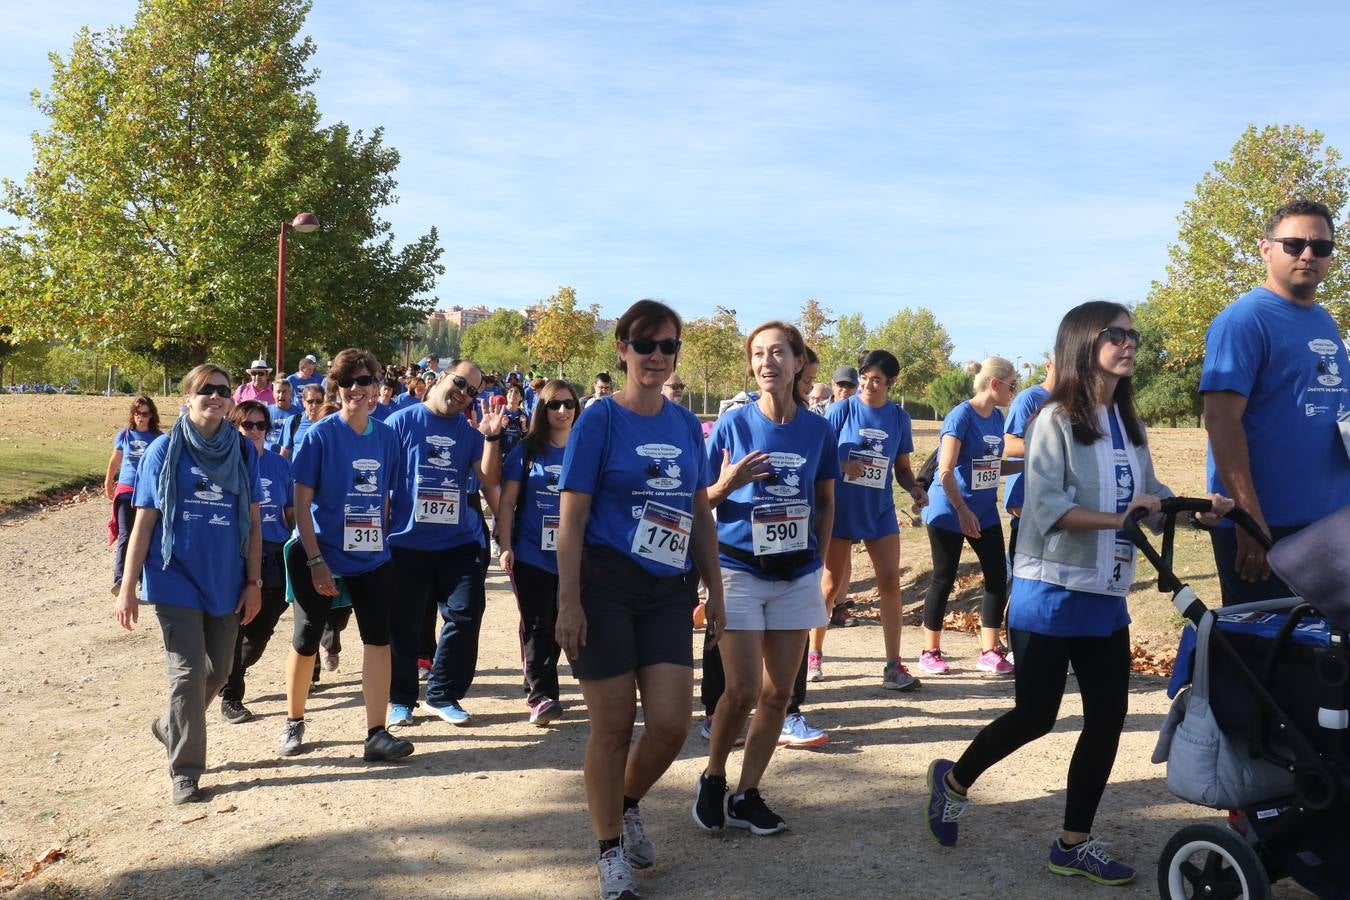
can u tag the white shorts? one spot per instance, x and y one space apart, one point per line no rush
757 604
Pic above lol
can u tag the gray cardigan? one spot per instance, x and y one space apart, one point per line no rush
1061 474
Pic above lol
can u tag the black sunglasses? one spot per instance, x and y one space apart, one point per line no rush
462 383
646 346
252 425
556 405
220 390
1295 246
1118 336
363 380
312 400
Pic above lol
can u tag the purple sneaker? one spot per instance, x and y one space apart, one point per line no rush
1091 861
944 805
545 711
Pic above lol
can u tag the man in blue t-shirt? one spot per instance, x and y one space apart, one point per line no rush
306 375
1277 406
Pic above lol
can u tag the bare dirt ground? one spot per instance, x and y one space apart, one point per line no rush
497 809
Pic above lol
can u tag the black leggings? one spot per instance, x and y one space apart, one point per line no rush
947 556
537 597
1102 666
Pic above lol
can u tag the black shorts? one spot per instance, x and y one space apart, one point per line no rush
372 596
633 619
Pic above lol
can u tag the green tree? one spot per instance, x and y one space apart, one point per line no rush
1165 388
949 388
848 343
920 344
1215 258
497 343
174 150
814 322
564 333
712 352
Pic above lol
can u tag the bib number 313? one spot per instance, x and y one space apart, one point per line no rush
362 534
663 535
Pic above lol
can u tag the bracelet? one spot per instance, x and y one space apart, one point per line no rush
315 560
492 438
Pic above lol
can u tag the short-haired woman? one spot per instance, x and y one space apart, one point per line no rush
120 481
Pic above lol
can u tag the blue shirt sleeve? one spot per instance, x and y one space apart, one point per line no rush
146 495
513 468
585 451
1234 352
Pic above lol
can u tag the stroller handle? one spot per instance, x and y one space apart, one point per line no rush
1171 507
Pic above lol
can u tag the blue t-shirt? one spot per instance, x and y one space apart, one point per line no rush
1290 364
272 440
295 429
642 473
351 475
298 381
801 454
278 494
978 465
382 412
1045 608
538 500
439 453
133 445
207 569
405 399
514 429
1020 412
865 509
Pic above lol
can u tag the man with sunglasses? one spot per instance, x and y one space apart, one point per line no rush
435 538
1276 401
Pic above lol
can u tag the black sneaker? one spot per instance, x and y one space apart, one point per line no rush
185 790
234 712
708 813
751 812
383 746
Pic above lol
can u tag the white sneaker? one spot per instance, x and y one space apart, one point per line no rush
616 876
636 846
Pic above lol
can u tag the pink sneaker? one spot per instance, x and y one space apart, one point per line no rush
994 661
931 661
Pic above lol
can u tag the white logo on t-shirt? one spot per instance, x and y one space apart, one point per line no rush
1330 372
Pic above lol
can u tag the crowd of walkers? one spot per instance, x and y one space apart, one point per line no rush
621 520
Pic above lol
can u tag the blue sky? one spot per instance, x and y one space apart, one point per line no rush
997 163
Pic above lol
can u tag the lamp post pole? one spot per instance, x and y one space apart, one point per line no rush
303 223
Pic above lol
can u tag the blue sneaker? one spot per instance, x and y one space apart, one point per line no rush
797 733
944 805
452 712
400 714
1091 861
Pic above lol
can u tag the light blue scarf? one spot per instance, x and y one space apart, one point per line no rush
223 462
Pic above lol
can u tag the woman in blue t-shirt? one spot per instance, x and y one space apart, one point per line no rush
1087 466
965 509
312 403
527 529
197 541
873 437
141 430
634 516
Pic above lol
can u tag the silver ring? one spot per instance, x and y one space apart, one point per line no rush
1251 556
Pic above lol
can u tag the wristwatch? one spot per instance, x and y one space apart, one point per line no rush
257 583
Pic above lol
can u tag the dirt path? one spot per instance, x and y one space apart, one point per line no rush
495 810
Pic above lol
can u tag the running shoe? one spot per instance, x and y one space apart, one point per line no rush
331 660
749 811
116 588
994 661
185 790
840 617
945 806
616 876
708 814
813 670
234 712
797 733
545 711
292 734
383 747
897 678
931 661
705 732
400 715
452 712
423 669
1091 861
636 846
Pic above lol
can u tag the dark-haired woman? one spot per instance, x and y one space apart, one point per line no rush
197 541
1087 466
311 402
634 517
527 529
120 482
874 439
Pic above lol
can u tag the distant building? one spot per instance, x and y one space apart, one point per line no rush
462 317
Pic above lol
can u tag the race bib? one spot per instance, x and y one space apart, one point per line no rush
548 534
1122 568
362 533
779 527
663 535
984 473
873 473
437 507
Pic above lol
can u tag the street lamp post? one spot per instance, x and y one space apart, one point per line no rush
303 223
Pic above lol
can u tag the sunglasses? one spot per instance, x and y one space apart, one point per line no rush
1295 246
362 380
675 387
142 414
220 390
1010 385
462 383
1118 336
252 425
314 401
556 405
646 346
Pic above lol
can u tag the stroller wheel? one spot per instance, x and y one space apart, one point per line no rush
1204 861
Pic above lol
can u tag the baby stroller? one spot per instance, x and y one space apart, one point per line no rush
1259 723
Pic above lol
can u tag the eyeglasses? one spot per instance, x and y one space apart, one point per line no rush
314 401
362 380
220 390
142 414
556 405
675 387
1118 336
252 425
462 383
1295 246
1010 385
646 346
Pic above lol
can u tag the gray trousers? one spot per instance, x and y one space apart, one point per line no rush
198 656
